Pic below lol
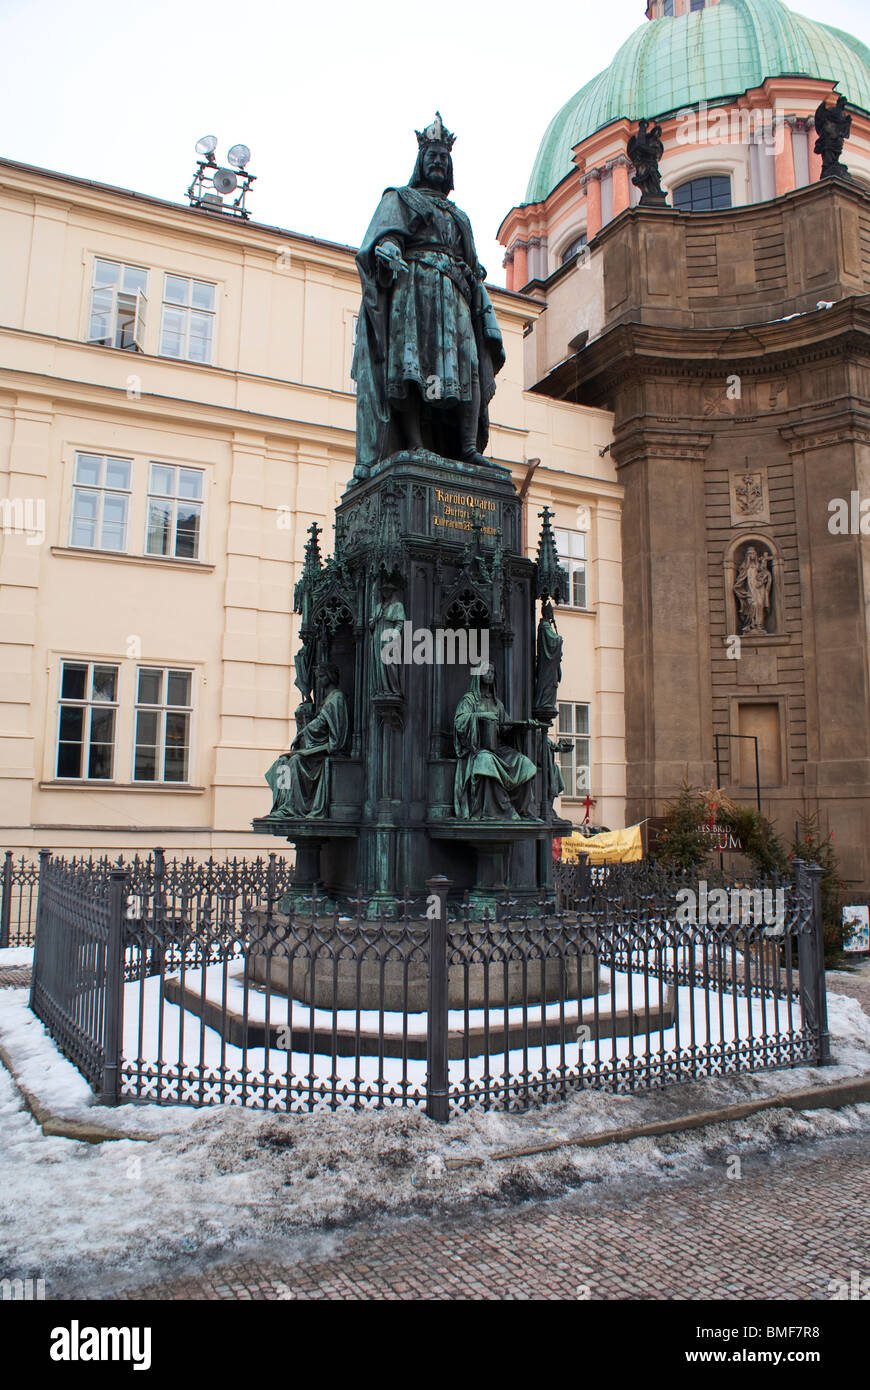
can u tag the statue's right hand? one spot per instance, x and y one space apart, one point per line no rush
390 260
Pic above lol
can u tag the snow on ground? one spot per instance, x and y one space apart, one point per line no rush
221 1181
15 955
225 984
157 1030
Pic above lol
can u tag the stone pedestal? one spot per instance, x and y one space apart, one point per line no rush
328 1031
449 536
330 982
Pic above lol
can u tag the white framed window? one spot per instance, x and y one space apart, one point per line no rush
707 193
571 546
162 734
174 512
100 502
574 728
573 248
87 718
187 324
118 305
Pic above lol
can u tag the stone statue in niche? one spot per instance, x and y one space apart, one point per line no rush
300 779
752 589
386 629
493 781
548 667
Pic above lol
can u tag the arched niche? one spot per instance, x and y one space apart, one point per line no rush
336 643
466 612
749 559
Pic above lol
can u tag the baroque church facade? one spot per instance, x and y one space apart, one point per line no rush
728 333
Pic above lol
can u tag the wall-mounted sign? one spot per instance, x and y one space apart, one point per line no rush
856 924
723 840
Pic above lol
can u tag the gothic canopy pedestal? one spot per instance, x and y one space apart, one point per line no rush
428 586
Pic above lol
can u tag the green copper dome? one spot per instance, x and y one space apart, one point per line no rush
718 52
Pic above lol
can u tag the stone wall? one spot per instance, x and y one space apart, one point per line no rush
736 358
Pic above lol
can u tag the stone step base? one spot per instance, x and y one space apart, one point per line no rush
236 1030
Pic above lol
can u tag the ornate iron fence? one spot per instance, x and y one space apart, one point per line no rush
77 982
219 983
190 881
18 885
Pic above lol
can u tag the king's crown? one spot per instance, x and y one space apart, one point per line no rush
436 134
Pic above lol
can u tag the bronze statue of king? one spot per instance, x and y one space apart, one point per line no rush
428 346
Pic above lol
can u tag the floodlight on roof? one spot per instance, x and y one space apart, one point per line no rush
212 183
239 156
224 180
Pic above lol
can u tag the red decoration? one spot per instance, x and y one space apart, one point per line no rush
588 803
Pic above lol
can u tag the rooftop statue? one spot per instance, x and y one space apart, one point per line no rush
428 346
833 125
645 150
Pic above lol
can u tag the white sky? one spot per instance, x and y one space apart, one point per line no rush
326 95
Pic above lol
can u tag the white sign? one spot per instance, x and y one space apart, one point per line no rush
857 920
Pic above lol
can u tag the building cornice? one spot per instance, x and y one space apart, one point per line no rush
141 209
64 191
627 348
186 413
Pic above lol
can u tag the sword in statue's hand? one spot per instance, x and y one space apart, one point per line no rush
390 257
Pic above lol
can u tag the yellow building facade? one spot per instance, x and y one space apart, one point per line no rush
176 409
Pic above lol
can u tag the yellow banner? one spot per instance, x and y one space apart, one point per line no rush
610 847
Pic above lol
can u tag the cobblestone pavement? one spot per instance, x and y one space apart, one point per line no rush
14 976
856 984
790 1227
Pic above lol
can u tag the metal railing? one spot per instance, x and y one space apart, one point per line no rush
18 885
183 983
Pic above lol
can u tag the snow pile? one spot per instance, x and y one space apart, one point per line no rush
220 1182
94 1219
59 1087
15 955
